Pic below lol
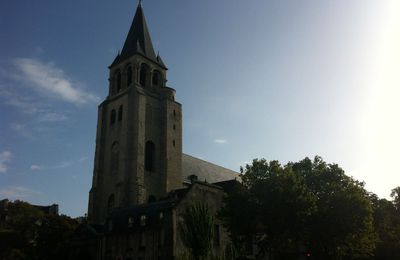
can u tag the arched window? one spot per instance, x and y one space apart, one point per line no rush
149 156
114 162
120 112
110 203
118 75
128 76
113 117
156 78
143 74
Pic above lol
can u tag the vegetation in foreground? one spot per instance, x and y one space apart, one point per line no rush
29 233
311 209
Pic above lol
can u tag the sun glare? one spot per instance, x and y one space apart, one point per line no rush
382 117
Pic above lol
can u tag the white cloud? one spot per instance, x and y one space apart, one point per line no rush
35 167
52 117
5 158
22 130
46 77
220 141
30 106
17 192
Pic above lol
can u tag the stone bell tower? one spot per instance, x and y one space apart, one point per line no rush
138 155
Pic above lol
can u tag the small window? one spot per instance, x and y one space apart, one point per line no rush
114 162
129 76
143 220
193 178
174 113
113 117
174 127
156 78
120 112
131 221
118 81
143 74
173 143
149 156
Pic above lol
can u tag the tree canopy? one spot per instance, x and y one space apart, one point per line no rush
29 233
308 207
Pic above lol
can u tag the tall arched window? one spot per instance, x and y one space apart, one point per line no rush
114 162
143 74
128 75
156 78
110 203
120 112
118 78
113 117
149 156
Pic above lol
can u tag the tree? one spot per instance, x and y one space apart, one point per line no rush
29 233
343 223
387 228
307 204
197 230
276 203
395 194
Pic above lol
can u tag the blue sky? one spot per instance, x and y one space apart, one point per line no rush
257 79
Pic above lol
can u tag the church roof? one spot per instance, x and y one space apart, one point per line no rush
205 171
138 40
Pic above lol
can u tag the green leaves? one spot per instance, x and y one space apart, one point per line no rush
309 203
197 230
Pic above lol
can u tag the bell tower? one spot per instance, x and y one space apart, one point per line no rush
138 156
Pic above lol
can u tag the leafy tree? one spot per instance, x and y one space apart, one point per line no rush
342 225
387 227
395 194
197 230
273 203
308 204
29 233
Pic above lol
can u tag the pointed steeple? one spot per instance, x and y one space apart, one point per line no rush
138 39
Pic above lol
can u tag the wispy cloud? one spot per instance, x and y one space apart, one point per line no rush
22 130
31 106
61 165
47 78
5 158
220 141
18 192
35 167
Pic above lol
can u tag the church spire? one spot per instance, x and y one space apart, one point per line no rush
138 39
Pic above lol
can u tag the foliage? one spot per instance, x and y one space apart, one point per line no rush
29 233
387 227
307 205
395 194
197 230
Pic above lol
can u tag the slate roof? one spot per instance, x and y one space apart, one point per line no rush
138 40
205 171
120 216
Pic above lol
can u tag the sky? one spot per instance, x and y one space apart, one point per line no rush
267 79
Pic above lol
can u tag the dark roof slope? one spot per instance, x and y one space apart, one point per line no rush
205 171
138 40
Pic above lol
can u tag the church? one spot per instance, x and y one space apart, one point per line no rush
142 181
